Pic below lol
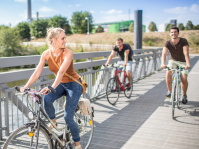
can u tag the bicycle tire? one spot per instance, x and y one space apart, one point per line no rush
86 128
179 95
113 91
20 138
128 90
173 101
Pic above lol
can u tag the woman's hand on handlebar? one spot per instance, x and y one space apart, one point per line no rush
44 90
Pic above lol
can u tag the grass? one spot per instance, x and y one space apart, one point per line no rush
156 39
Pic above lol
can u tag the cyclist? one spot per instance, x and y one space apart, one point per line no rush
125 54
179 52
63 85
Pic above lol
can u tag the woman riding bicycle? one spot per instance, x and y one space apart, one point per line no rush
63 85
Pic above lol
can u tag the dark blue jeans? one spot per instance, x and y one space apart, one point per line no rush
73 91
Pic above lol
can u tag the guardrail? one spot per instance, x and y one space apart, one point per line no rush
13 109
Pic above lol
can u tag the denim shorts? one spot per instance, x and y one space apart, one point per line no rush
128 66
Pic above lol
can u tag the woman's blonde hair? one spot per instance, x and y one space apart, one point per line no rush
53 33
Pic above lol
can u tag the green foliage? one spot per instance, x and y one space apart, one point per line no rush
196 27
79 22
4 27
99 29
189 26
131 28
38 28
59 21
168 27
24 30
181 26
10 42
152 27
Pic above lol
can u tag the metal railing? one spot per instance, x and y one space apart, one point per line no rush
13 109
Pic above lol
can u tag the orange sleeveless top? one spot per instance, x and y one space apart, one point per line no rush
59 62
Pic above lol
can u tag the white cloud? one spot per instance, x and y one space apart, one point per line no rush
45 0
77 5
183 10
112 11
91 11
20 0
46 9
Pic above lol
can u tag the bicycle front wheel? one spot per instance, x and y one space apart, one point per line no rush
22 139
128 89
113 91
173 99
86 128
179 95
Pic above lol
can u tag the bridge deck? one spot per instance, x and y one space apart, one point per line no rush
144 121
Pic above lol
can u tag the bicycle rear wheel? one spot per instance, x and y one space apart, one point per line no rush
128 89
20 138
113 91
86 128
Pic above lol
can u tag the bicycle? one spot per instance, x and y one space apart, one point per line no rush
36 134
176 91
114 85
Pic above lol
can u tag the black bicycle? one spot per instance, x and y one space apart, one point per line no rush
36 134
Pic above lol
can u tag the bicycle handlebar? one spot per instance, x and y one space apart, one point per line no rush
178 68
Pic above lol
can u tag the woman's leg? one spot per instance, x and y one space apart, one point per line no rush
50 98
73 93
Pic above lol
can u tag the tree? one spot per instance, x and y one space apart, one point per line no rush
24 30
131 27
189 26
79 22
38 28
168 27
99 29
152 27
9 42
181 26
59 21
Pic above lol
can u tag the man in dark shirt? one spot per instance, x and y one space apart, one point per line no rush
179 52
125 55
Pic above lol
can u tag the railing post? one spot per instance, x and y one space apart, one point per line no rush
90 79
154 60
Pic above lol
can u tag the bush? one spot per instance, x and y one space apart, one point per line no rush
194 39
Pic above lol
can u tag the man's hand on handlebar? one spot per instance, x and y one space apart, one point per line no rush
187 67
163 66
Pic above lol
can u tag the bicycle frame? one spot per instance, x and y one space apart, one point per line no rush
122 84
176 80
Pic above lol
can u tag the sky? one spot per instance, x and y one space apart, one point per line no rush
13 12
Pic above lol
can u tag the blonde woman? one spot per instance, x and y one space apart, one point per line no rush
63 85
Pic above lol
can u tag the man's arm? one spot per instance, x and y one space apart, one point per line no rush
164 53
186 54
110 57
126 56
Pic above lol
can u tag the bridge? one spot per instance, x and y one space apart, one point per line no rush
143 121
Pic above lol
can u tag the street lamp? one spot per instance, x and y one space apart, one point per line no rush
87 18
